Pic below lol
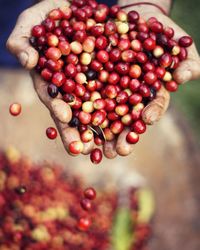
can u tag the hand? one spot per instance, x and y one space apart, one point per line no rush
18 44
188 70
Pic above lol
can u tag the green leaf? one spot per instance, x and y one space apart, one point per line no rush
122 233
146 205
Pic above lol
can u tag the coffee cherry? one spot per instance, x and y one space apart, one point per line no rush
90 193
136 45
165 60
84 117
126 120
51 133
87 136
96 156
55 14
111 91
185 41
135 98
171 86
85 58
116 127
133 16
91 75
99 104
124 81
123 68
158 51
95 95
46 74
98 117
88 107
84 224
122 97
49 24
76 47
58 79
76 147
97 66
139 127
15 109
64 47
132 138
74 123
52 40
52 90
124 43
86 204
128 56
156 27
38 31
113 78
183 54
150 77
70 70
167 77
53 53
102 56
135 71
101 42
149 44
122 28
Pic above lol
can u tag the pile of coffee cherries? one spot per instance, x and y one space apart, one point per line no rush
40 209
108 65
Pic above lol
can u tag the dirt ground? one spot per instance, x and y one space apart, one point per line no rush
166 159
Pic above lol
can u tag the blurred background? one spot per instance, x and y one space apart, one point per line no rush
166 160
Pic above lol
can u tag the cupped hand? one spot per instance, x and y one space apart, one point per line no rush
18 44
187 70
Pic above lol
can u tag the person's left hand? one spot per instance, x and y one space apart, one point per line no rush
187 70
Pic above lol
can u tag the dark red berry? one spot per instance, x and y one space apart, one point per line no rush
51 133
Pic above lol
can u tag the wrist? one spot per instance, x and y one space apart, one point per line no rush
148 6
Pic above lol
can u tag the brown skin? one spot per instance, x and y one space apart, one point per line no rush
18 44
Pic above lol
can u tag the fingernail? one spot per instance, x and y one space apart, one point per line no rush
187 75
23 58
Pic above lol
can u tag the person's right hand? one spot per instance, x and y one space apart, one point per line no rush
18 44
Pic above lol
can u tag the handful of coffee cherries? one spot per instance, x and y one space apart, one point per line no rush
108 65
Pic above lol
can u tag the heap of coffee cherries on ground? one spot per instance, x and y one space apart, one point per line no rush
108 65
40 209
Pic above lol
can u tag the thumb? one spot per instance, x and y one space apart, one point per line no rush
20 47
188 70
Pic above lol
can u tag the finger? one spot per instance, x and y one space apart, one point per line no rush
60 109
88 147
27 55
109 149
188 70
69 135
18 42
156 108
124 148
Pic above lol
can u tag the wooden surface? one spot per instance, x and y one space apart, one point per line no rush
166 159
